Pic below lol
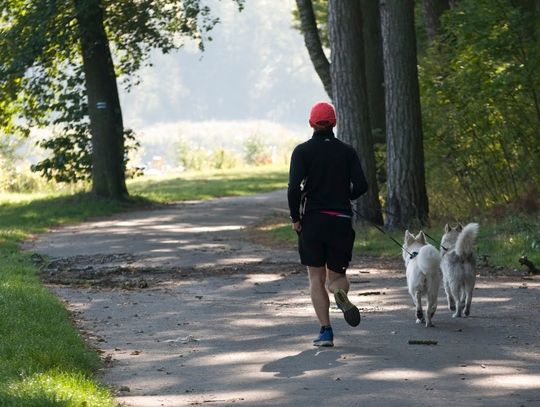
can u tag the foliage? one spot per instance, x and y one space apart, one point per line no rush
481 94
41 75
196 158
71 161
256 152
223 159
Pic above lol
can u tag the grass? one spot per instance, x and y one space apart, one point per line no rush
43 360
210 184
500 242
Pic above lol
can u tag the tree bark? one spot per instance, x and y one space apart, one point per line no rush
313 43
432 11
106 125
350 95
374 68
407 202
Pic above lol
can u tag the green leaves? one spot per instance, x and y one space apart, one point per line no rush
41 77
480 85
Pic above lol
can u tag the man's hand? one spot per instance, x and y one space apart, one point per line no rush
297 227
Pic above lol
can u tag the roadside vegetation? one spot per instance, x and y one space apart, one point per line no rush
43 359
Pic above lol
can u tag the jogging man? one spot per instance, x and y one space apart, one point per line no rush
325 175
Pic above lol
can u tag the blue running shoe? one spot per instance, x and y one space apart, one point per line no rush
350 311
325 338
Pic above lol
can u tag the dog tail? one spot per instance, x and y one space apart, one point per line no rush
429 259
466 239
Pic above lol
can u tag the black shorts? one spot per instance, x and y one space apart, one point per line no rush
326 240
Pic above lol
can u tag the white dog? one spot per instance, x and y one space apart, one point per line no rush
423 274
458 267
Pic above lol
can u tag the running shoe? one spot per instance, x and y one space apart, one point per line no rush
350 311
325 338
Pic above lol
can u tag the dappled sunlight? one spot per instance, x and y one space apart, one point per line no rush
480 299
483 368
255 322
243 357
398 374
195 398
515 381
263 278
195 229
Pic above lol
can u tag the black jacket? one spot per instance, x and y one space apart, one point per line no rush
325 174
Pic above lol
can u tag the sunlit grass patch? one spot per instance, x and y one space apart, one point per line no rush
197 185
54 388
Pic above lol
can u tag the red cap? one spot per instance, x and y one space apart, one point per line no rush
322 115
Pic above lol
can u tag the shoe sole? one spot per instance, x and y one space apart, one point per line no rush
350 311
323 343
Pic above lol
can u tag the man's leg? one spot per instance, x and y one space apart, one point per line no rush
338 283
319 295
337 280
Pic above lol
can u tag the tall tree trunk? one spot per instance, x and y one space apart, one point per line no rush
349 85
432 11
313 43
407 201
106 126
371 25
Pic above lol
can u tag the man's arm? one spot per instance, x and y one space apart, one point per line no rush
297 174
358 180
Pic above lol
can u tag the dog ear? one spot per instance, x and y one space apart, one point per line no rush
446 228
459 227
409 238
421 237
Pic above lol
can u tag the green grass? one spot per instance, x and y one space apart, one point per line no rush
210 184
502 241
43 360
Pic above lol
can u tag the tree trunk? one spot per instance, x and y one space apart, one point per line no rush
432 11
374 68
349 85
106 126
407 201
313 43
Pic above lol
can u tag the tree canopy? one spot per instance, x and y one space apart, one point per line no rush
41 66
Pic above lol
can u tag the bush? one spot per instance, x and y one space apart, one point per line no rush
479 82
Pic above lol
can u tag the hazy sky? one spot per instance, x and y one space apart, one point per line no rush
255 69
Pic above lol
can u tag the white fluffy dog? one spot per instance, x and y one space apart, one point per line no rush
458 267
423 274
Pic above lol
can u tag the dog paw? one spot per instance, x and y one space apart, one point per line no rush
419 321
430 325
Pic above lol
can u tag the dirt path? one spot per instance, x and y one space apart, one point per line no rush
186 312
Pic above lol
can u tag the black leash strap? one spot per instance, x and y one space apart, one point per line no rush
434 241
428 236
412 255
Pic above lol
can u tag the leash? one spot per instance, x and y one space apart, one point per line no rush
411 255
391 214
434 241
